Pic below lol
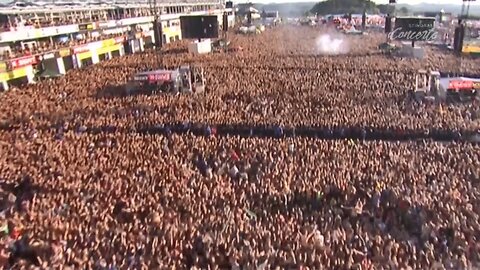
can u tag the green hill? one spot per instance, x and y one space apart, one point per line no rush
349 6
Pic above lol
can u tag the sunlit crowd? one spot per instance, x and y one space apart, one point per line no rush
83 188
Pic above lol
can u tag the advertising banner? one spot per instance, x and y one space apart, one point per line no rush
463 85
84 55
64 52
414 29
23 62
159 77
108 43
3 66
86 26
108 49
48 56
474 49
80 49
137 20
14 74
119 40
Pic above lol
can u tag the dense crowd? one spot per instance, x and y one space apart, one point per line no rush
129 200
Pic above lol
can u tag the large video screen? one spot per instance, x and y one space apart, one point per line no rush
199 27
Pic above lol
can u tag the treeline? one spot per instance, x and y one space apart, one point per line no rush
350 6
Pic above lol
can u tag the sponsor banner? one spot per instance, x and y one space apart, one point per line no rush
172 31
119 40
86 26
463 85
23 62
108 43
108 49
48 56
13 74
137 20
112 41
80 49
64 52
84 55
140 78
414 29
93 46
159 77
471 49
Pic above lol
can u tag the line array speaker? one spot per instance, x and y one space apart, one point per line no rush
458 38
388 24
225 22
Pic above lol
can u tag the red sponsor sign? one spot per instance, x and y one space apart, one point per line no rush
23 62
119 40
159 77
80 49
457 84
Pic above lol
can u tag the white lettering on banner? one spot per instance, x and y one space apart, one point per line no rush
22 62
80 49
140 78
48 56
159 77
421 25
425 35
119 40
88 47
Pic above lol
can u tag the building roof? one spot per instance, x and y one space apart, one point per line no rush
67 6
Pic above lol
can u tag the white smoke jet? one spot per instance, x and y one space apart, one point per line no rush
329 45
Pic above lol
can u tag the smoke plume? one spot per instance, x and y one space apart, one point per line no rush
328 44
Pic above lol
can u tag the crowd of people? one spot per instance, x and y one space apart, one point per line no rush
79 197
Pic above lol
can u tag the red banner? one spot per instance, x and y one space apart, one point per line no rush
461 85
80 49
119 40
23 62
159 77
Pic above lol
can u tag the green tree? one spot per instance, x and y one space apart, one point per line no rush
344 6
404 11
386 9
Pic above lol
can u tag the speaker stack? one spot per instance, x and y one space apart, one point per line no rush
157 33
364 20
458 38
388 24
225 22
